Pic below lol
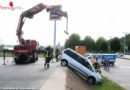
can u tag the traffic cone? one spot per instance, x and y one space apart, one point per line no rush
7 61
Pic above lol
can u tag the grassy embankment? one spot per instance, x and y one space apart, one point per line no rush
107 85
7 54
75 82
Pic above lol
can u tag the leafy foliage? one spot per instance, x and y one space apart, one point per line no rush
115 44
101 44
129 44
74 40
89 43
1 47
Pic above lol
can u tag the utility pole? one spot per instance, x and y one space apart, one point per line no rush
54 48
124 45
125 42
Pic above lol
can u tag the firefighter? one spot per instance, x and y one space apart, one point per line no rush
48 55
96 64
94 60
57 53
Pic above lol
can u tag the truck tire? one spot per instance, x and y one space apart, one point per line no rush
33 60
91 80
64 63
36 56
16 61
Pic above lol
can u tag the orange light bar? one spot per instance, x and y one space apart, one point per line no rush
21 51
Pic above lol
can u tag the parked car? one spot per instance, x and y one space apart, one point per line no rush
80 64
120 54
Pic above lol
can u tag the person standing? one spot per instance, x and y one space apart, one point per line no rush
105 63
94 60
48 55
57 53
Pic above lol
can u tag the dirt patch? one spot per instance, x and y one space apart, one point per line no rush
74 82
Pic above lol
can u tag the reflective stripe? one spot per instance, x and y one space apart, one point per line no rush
47 54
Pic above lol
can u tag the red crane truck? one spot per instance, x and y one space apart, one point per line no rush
26 51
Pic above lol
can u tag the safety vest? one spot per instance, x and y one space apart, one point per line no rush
94 60
48 52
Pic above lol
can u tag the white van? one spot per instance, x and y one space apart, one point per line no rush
79 63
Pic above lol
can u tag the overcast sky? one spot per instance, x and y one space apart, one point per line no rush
107 18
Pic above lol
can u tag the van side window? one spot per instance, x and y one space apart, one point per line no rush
71 54
75 56
78 59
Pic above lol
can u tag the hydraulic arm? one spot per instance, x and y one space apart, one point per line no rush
31 12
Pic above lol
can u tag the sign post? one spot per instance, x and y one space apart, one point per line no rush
54 16
4 57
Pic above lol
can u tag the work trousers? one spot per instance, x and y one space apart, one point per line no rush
48 59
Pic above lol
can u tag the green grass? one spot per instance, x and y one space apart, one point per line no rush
7 54
126 58
10 55
40 55
107 85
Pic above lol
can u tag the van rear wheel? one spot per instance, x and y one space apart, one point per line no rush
91 80
64 62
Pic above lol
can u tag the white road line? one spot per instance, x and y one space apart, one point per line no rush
128 66
122 67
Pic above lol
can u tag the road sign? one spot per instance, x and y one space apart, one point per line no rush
53 15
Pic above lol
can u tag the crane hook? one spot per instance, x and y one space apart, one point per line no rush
66 31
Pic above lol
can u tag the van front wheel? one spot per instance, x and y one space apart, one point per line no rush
91 80
64 62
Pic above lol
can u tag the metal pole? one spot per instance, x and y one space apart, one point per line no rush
4 57
124 45
54 38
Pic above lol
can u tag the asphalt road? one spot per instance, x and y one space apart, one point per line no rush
120 73
25 76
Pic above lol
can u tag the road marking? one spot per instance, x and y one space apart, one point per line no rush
122 67
125 68
128 66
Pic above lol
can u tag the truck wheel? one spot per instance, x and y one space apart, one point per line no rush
91 80
33 60
36 58
64 62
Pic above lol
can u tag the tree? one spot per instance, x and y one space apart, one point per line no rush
1 47
128 44
66 44
104 46
115 44
121 46
82 43
101 44
89 43
74 40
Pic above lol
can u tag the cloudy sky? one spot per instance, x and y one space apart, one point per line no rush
107 18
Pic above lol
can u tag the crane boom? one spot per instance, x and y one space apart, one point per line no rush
31 12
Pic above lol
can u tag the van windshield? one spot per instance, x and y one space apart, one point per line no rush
87 64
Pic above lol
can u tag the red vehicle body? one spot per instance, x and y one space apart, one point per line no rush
26 51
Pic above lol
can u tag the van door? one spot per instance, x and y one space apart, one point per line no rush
86 68
72 60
